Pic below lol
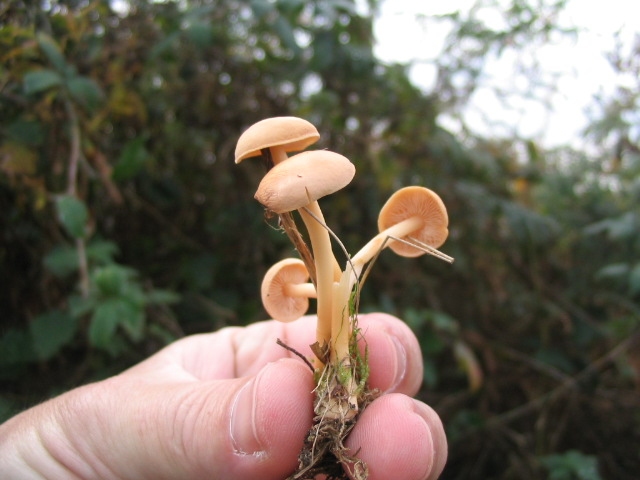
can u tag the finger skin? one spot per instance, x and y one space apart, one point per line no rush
174 415
395 359
133 428
398 438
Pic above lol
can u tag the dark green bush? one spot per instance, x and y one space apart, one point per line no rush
125 223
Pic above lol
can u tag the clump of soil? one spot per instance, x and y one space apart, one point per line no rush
341 395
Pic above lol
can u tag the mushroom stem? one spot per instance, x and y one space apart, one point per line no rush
324 262
341 325
300 290
278 154
383 239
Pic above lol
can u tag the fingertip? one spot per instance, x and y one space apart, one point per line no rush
284 406
438 436
395 359
280 414
395 434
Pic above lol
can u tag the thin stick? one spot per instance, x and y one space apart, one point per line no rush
288 224
333 235
295 352
414 242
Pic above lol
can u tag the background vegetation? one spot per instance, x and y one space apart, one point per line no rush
125 224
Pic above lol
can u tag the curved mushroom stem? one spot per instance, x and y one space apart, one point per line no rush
324 263
300 290
382 239
341 329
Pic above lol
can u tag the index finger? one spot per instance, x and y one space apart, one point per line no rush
394 354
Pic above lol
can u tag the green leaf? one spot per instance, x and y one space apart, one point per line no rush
133 159
160 297
430 373
556 358
527 225
291 7
16 348
39 80
197 13
85 91
615 271
571 465
199 271
324 51
102 251
80 306
261 8
72 214
416 319
133 321
50 332
112 280
52 51
345 5
164 45
27 132
200 33
284 30
444 322
619 228
112 313
105 320
62 260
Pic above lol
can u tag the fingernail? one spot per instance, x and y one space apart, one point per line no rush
401 362
242 423
439 446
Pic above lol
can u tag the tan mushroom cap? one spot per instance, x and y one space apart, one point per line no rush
416 202
274 291
304 178
292 134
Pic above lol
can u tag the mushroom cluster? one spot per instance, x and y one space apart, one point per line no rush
412 222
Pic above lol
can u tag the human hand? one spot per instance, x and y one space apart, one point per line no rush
226 405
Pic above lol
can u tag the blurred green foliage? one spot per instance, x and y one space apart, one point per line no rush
571 465
125 224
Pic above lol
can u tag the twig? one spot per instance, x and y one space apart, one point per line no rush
296 353
72 178
288 224
333 235
83 267
74 154
568 384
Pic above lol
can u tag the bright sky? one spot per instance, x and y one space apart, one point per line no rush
583 68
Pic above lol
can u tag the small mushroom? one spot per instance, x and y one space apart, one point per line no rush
279 135
297 184
285 290
304 178
417 202
412 222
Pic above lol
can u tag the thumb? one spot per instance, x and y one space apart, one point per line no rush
135 427
265 423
